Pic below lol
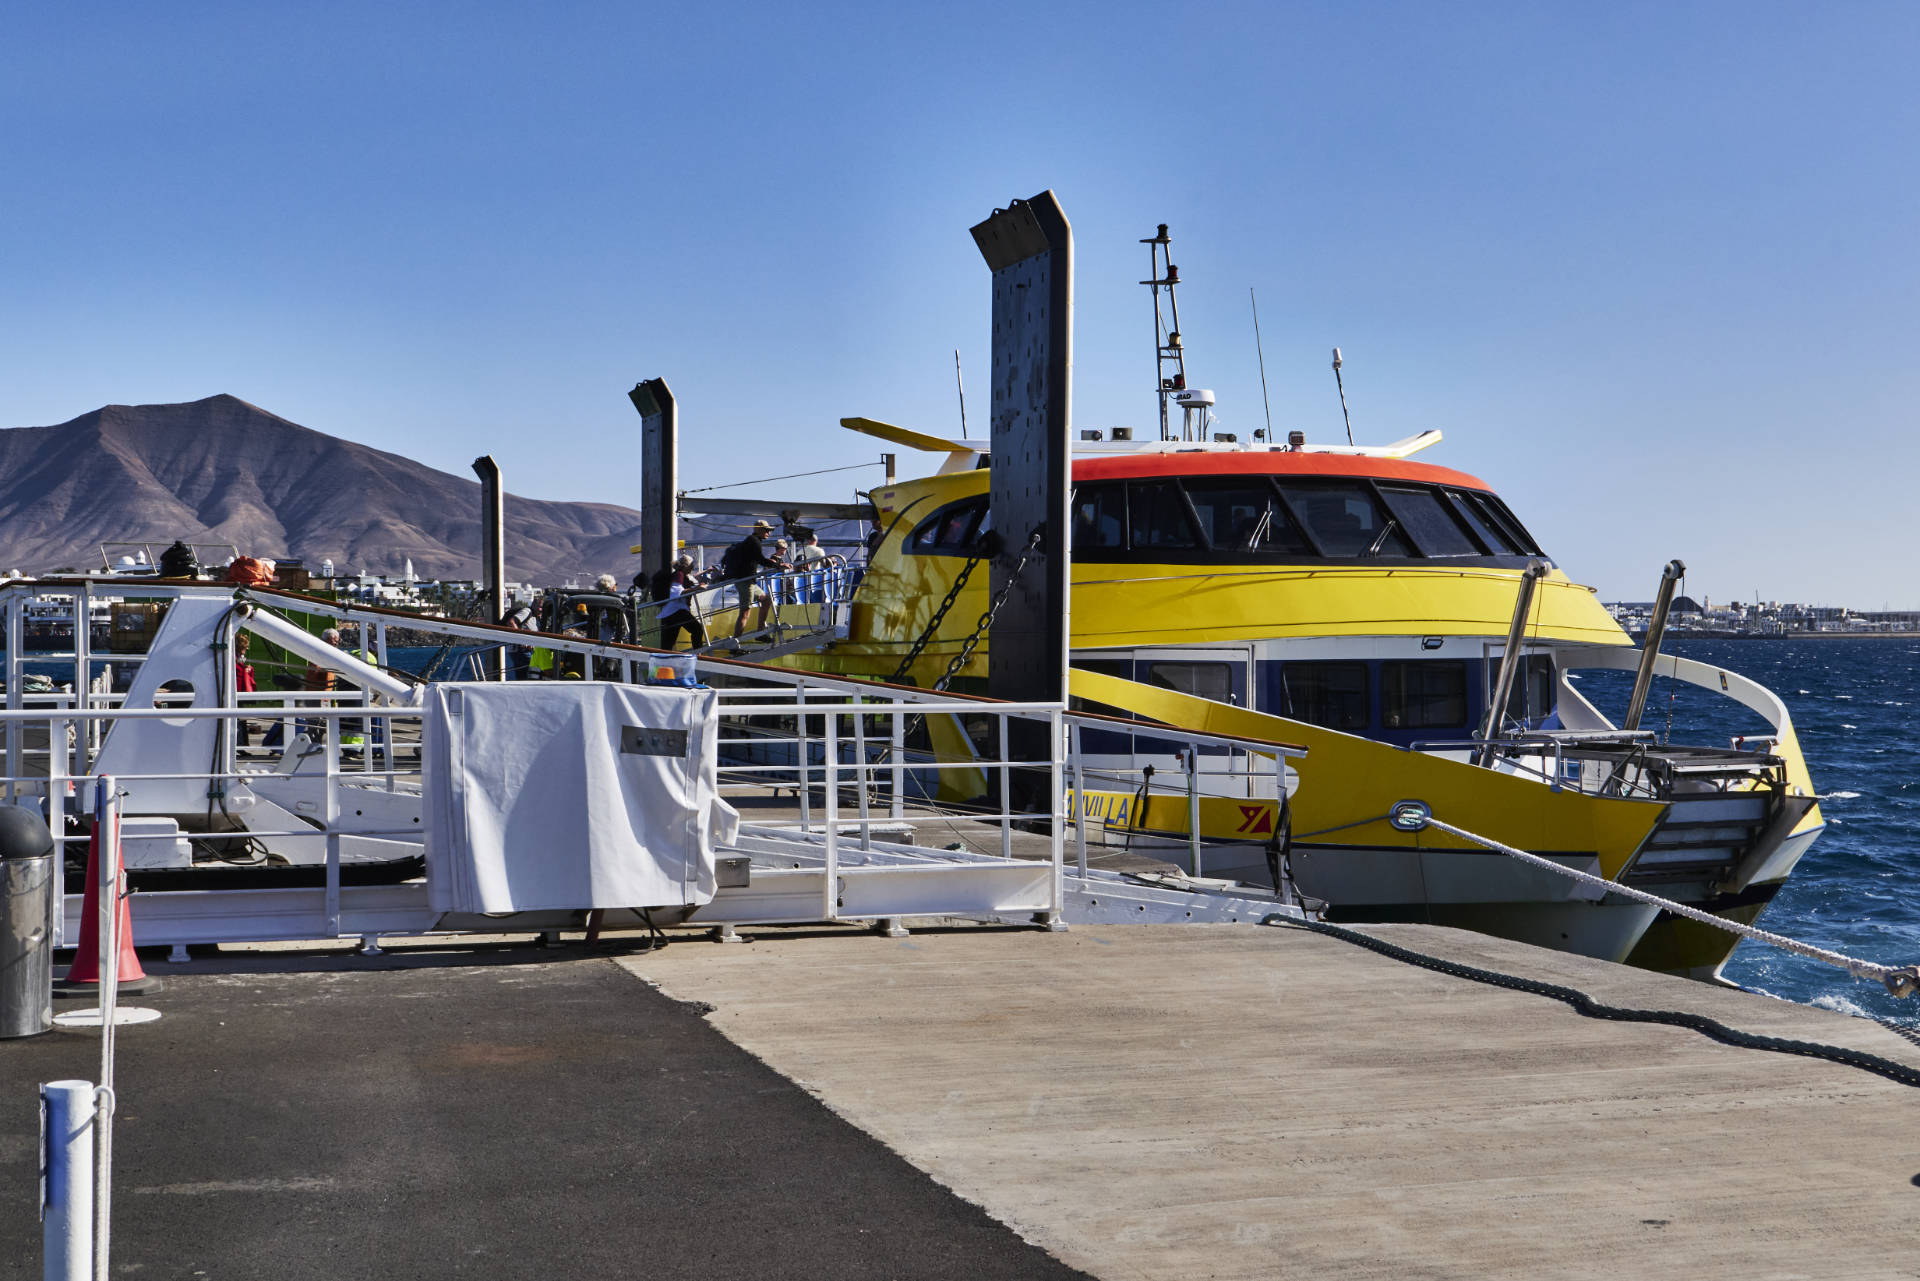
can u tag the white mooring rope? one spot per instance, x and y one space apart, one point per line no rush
1411 816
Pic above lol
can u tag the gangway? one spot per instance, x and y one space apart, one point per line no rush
332 845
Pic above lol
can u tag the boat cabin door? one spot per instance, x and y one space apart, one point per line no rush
1223 673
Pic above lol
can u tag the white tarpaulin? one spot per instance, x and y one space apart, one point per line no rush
570 795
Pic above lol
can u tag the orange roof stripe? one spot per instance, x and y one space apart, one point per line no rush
1275 462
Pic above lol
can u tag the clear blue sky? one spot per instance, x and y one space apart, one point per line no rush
1652 268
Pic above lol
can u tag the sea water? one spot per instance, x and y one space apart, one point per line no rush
1856 706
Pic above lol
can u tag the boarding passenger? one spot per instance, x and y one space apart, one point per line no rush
677 614
740 564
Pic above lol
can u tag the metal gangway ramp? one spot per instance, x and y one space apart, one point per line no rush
833 778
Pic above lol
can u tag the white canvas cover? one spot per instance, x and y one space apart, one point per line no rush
534 801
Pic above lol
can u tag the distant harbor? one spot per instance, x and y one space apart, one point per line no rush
1756 620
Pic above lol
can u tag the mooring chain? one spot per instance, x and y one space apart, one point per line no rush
993 607
933 624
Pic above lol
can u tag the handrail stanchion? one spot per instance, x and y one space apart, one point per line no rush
830 905
1006 791
57 776
106 811
331 812
1056 823
863 772
898 749
1079 800
1193 806
16 732
803 758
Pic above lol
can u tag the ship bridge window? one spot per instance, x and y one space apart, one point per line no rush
1242 517
1100 517
1433 530
1331 695
1159 517
1345 520
1481 523
953 529
1431 694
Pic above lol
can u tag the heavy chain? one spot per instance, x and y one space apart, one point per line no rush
993 607
933 624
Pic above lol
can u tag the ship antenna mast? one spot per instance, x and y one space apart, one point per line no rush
1170 358
1343 394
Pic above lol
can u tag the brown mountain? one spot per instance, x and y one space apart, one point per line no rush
221 470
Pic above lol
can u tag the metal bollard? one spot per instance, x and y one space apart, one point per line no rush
27 899
66 1207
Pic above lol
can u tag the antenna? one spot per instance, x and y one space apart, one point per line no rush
1168 354
1263 360
960 387
1343 394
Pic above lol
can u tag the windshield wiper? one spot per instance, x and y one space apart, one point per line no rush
1386 531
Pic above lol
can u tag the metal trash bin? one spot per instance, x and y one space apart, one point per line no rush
27 881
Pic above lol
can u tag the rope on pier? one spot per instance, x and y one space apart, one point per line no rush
1899 980
1894 1071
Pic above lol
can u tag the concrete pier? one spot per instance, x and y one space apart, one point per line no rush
1126 1102
1232 1101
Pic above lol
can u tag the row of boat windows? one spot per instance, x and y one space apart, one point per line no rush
1259 516
1421 694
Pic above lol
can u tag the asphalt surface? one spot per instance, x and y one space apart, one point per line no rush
516 1112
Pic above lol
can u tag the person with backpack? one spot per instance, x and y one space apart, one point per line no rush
740 564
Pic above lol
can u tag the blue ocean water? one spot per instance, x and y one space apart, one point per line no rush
1856 706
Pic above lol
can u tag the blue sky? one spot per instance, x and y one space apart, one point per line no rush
1652 268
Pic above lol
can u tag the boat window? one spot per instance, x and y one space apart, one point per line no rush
1345 520
1516 532
1202 680
1241 517
1481 523
1434 531
1332 695
1100 517
951 529
1531 697
1431 694
1158 516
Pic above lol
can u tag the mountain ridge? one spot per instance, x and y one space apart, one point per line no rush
223 470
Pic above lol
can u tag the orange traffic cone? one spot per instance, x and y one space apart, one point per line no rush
83 976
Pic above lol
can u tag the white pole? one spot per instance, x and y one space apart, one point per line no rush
1079 802
1193 805
107 814
66 1231
829 908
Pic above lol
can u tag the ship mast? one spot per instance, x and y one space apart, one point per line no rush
1170 355
1170 359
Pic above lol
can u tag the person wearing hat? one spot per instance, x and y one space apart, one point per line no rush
676 610
740 563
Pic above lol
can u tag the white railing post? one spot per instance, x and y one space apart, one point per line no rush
57 776
330 726
898 749
830 906
802 760
66 1232
1006 791
16 732
1079 800
1056 787
863 771
106 812
1193 806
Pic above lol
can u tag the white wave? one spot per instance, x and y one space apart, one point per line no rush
1844 725
1840 1004
1834 796
1803 691
1845 698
